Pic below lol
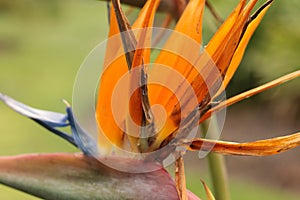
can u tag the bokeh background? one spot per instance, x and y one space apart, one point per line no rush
43 43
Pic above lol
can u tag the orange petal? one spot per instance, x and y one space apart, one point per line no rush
112 71
250 93
221 48
208 83
178 56
139 106
224 30
115 66
256 148
145 19
180 51
238 55
230 44
209 194
127 36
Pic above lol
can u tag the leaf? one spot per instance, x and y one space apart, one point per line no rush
74 176
257 148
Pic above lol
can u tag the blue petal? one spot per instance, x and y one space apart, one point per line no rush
52 119
83 140
47 119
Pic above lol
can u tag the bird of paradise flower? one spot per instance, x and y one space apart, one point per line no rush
226 49
138 128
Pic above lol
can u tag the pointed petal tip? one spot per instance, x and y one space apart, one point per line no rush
2 96
265 147
209 194
66 103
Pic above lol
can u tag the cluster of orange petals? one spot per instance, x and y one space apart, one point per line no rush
226 49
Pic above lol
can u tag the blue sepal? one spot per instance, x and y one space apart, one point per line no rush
52 121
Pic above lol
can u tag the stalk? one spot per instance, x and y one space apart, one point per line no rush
217 166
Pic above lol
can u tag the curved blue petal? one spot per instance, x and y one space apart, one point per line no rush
52 119
47 119
83 140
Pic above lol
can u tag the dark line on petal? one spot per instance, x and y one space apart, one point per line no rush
127 36
260 9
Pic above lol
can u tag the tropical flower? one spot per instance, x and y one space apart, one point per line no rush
185 80
207 75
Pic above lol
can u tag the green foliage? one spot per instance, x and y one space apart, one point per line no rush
39 65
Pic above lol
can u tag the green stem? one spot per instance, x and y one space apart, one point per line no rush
217 166
219 176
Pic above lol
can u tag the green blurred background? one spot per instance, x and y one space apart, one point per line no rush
43 43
